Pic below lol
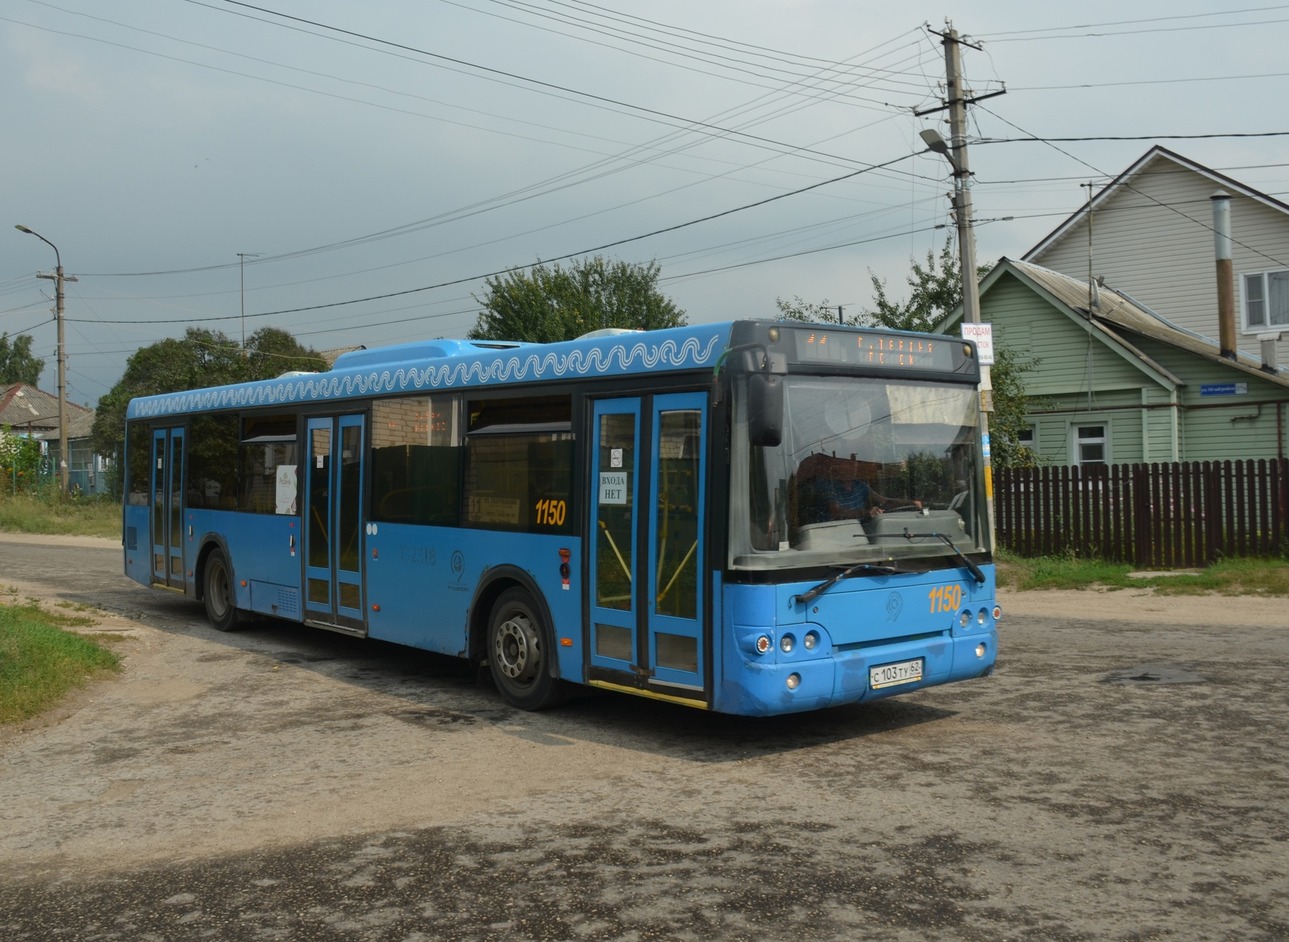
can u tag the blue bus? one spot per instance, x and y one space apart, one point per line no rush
752 517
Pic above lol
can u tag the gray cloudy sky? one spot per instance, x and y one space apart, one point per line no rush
380 158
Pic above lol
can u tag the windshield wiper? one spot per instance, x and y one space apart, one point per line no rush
944 538
805 598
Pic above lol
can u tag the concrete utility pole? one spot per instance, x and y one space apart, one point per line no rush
955 153
58 278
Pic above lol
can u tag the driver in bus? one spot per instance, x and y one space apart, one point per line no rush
850 498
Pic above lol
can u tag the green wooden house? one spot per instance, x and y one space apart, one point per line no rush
1115 382
1158 315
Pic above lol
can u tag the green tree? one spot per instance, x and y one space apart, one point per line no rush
935 289
201 358
272 352
19 462
1007 421
812 312
17 364
547 304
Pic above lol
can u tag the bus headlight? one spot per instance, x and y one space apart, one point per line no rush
794 681
965 618
811 640
787 643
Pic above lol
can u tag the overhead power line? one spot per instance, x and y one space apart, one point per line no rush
514 76
571 178
559 258
1128 137
1151 23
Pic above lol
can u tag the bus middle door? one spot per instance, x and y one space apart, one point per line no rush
648 545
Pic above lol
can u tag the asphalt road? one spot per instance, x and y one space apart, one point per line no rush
1122 776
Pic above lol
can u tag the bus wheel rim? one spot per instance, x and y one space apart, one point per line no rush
516 650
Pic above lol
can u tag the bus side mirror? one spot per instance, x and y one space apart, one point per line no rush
764 409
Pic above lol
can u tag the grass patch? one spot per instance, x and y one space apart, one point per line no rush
1230 577
75 516
40 662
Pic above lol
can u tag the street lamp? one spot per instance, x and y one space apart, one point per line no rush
58 279
957 158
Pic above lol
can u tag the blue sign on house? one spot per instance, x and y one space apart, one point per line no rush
1223 389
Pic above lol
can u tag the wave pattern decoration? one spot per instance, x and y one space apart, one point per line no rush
522 365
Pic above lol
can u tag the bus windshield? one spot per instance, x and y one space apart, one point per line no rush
868 469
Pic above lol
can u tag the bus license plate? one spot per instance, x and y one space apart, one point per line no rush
892 675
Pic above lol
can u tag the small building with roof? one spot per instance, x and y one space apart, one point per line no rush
29 412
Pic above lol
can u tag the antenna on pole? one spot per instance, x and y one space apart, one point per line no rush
241 258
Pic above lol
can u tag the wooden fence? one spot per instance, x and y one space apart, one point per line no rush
1153 516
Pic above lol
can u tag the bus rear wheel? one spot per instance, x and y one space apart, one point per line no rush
217 592
519 657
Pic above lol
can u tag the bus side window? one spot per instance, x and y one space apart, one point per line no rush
519 465
212 462
139 464
416 460
268 443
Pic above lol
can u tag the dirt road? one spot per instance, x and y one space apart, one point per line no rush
1122 776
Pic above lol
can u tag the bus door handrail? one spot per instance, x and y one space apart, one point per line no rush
616 552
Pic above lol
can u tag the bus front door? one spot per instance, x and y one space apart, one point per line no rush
167 508
333 524
648 548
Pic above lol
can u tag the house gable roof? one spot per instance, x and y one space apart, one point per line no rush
1119 183
1117 319
1071 297
24 407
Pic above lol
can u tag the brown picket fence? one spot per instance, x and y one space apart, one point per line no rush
1153 516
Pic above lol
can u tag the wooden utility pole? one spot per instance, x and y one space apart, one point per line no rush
58 278
955 152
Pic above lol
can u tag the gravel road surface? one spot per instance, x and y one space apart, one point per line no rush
1123 776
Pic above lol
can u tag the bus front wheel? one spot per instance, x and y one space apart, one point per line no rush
518 653
217 592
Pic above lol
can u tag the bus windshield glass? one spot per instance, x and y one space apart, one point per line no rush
867 469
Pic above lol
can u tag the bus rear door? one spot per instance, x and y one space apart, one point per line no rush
648 545
333 523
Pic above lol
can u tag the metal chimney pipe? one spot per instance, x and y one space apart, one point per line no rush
1225 274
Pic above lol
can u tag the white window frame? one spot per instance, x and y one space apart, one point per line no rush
1247 304
1077 441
